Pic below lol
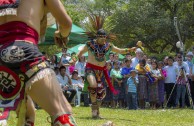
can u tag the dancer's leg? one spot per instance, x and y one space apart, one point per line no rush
48 94
93 94
30 113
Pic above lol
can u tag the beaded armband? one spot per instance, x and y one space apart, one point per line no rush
127 50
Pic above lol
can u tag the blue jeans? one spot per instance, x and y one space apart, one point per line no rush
132 100
181 92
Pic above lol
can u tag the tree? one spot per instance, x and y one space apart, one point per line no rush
152 21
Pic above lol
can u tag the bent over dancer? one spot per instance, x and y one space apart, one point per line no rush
23 69
96 71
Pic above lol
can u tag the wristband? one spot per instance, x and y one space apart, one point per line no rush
127 50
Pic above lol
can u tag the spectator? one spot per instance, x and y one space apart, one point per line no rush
128 56
78 84
72 62
181 64
117 81
55 64
64 60
161 84
189 57
111 58
108 100
116 58
66 83
181 88
80 66
193 54
142 91
170 80
139 56
132 90
165 61
153 88
125 71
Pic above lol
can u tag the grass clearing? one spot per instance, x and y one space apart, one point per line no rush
122 117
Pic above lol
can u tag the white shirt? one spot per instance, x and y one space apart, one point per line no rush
184 65
63 81
156 72
134 62
81 68
65 60
77 82
172 72
192 70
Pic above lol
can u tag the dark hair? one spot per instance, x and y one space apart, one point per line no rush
126 60
179 53
84 59
115 62
154 58
64 49
161 62
170 57
73 53
154 61
75 71
111 53
62 67
143 61
44 53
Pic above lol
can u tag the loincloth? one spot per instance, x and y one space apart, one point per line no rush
101 74
20 60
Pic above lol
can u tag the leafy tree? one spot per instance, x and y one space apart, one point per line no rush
152 21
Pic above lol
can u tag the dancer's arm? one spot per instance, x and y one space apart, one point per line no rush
123 50
82 51
58 11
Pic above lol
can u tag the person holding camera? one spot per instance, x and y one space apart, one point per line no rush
181 87
183 65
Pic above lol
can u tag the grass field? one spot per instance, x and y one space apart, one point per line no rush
121 117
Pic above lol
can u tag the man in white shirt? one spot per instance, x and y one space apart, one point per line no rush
135 60
65 83
181 64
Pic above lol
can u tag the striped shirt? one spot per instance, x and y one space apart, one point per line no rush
131 85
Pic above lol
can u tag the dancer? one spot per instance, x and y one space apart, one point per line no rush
96 69
24 70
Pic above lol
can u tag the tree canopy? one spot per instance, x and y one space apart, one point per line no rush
151 21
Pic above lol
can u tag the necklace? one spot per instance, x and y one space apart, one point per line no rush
98 50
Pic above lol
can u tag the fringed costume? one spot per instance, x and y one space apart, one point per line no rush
100 73
21 61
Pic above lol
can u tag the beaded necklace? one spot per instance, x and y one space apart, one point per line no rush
98 50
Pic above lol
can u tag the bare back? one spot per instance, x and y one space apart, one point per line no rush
30 12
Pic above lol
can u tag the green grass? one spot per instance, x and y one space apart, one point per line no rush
121 117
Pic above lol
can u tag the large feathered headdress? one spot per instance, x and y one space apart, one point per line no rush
96 23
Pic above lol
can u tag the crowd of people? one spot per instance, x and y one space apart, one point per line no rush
141 81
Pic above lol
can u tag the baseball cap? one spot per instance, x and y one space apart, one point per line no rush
133 70
189 54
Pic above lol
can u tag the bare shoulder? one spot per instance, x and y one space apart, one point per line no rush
29 12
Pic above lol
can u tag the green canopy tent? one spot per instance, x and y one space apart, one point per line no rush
77 35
